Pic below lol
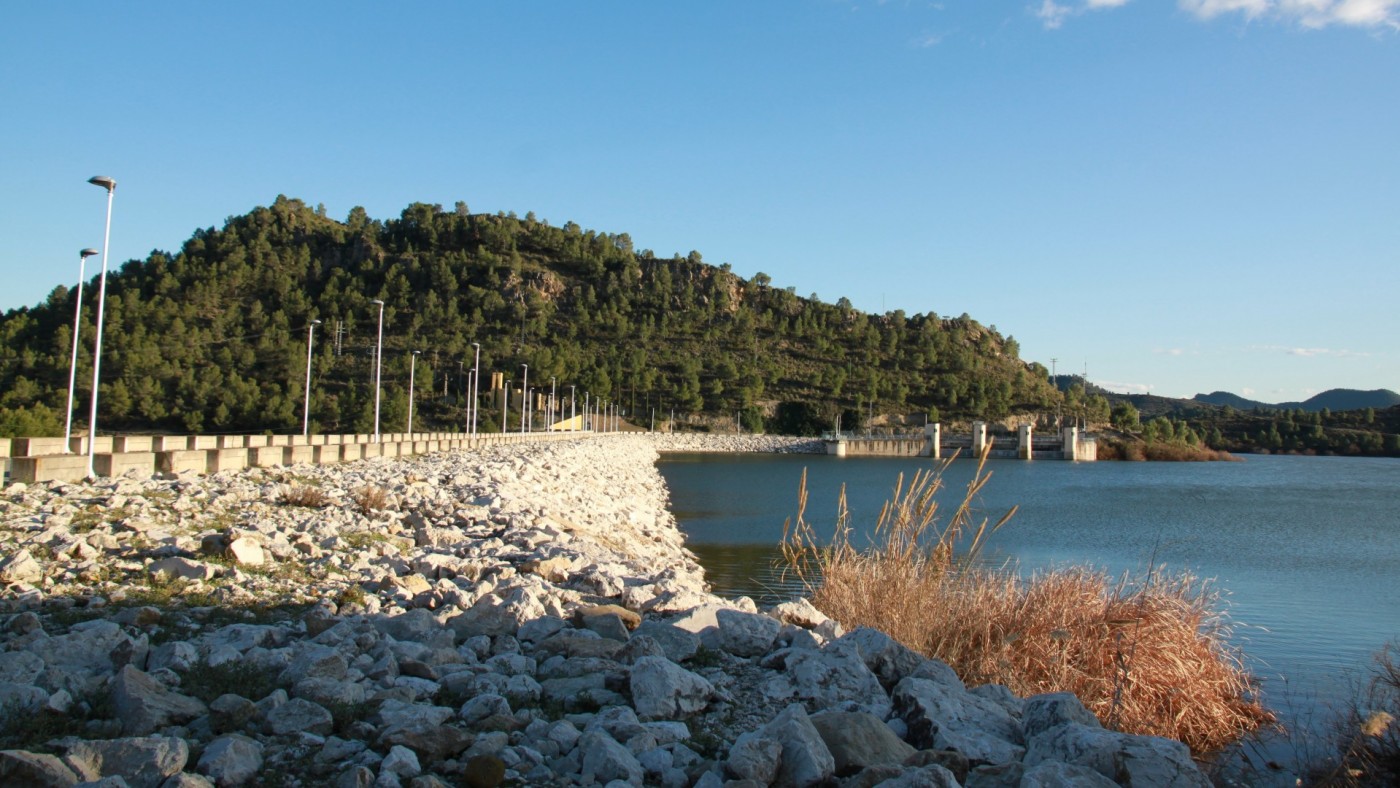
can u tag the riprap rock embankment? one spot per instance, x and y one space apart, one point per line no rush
528 613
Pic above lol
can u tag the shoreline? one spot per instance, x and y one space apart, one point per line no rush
527 612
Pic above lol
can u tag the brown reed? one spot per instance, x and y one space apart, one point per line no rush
1147 657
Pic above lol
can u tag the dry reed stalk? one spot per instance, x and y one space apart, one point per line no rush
302 495
370 499
1151 657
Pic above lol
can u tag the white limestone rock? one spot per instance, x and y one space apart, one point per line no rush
663 690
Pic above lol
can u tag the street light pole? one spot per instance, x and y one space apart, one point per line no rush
587 414
476 382
573 426
73 369
524 394
378 366
551 403
306 406
412 368
111 186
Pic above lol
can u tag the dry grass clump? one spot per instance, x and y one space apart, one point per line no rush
1149 657
302 495
1368 733
370 499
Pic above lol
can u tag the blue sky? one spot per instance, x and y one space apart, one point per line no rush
1183 196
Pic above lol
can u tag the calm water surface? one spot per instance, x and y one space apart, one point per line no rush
1305 550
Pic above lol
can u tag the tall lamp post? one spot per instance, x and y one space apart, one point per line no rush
378 366
111 186
306 407
412 367
524 396
73 369
476 382
573 426
551 403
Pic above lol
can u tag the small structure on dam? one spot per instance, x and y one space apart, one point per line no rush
1070 444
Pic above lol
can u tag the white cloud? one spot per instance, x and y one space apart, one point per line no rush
1053 14
1247 391
1305 13
1309 352
926 40
1125 388
1172 351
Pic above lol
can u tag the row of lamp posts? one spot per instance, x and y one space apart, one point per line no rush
110 185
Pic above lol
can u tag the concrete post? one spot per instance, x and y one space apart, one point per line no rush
979 438
1071 443
933 440
1025 442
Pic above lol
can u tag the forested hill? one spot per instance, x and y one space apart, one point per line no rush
214 338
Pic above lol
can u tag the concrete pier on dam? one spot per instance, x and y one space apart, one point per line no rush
1069 444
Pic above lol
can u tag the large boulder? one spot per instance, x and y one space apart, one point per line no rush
823 678
663 690
18 767
604 760
858 740
144 705
944 717
890 660
746 634
754 757
806 759
144 762
231 760
1040 713
1124 758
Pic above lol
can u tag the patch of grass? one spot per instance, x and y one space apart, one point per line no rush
23 730
353 594
1150 657
88 518
705 658
303 495
208 682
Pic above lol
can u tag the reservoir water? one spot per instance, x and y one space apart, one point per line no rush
1305 551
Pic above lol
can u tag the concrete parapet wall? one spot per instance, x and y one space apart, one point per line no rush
43 459
264 456
38 447
123 444
178 460
103 444
231 459
160 443
109 464
48 467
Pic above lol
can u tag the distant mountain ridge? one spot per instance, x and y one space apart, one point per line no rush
1332 399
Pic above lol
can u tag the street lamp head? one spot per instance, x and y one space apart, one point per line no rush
315 322
377 301
86 253
416 352
103 181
